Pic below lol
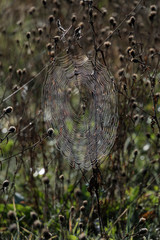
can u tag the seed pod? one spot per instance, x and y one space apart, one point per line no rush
19 72
49 46
11 129
74 18
153 8
56 39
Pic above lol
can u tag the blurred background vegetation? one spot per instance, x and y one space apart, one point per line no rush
41 196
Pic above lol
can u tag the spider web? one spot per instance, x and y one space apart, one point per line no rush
80 103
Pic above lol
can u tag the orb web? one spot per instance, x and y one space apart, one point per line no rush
80 104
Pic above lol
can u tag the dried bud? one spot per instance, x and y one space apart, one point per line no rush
11 129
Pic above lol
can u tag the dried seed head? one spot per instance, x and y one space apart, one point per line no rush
78 192
10 68
11 215
81 225
45 180
131 21
134 105
49 46
85 202
73 18
81 25
50 132
19 23
46 234
104 11
37 224
19 72
135 152
28 35
131 37
61 177
153 8
135 117
82 208
152 50
72 209
112 20
32 10
40 31
121 72
11 129
128 49
44 2
8 110
152 15
107 44
56 39
82 236
143 231
61 218
134 76
142 220
5 183
121 57
51 19
132 52
13 227
33 215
